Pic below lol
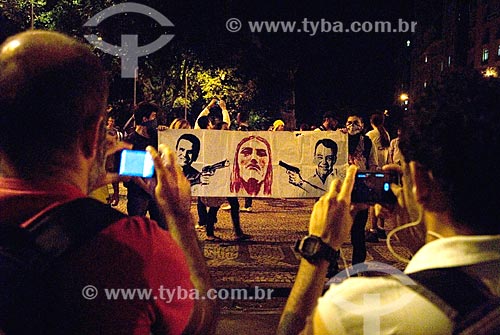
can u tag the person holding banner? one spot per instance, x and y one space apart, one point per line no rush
213 205
139 198
242 120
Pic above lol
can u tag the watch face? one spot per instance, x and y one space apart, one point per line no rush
310 246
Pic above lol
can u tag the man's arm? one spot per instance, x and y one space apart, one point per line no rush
204 112
225 114
331 220
174 197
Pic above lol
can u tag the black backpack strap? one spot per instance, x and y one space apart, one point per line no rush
57 231
464 299
28 254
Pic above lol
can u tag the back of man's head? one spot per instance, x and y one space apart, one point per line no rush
454 131
53 89
144 110
329 115
377 119
242 117
203 122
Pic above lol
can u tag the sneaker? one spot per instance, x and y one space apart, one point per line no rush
381 234
197 226
246 209
243 237
226 207
371 236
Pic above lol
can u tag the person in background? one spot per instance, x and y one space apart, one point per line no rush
213 205
215 107
381 141
363 155
395 156
330 122
304 127
242 120
179 123
278 125
203 121
113 161
139 190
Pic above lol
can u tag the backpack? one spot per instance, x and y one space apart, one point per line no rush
28 254
465 300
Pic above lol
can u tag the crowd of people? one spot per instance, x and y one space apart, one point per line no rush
57 244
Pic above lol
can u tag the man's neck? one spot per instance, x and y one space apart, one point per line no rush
441 224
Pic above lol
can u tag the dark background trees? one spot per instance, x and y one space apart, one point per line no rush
272 75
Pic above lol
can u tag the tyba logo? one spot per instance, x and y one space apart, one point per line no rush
129 51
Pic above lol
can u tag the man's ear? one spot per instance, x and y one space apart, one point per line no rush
421 182
427 191
90 139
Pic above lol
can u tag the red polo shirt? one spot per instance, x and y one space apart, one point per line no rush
133 257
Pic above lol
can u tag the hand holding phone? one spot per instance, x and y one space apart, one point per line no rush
374 187
136 163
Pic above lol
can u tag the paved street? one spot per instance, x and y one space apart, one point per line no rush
266 261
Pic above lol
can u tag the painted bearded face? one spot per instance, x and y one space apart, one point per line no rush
253 159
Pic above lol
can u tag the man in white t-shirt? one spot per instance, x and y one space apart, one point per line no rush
458 211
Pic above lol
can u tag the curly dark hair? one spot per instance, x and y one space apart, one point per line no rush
453 129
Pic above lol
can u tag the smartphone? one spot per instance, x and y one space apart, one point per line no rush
136 163
373 187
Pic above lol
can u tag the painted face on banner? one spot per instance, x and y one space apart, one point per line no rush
185 152
324 158
253 159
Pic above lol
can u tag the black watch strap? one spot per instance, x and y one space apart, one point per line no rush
313 249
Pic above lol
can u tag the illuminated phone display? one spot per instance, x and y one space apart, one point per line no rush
136 163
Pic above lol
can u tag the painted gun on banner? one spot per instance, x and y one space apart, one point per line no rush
207 171
289 167
294 176
210 169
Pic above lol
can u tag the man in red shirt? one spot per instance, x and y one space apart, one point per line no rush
53 96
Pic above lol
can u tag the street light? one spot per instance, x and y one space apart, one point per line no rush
403 97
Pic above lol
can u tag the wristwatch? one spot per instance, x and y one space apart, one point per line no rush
313 249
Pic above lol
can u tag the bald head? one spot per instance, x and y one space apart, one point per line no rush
53 90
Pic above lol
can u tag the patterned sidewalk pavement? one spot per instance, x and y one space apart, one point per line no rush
267 260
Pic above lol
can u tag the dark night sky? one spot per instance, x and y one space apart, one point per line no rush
332 69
